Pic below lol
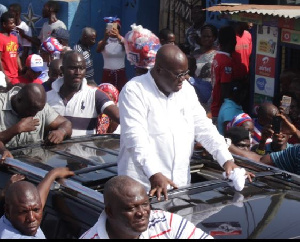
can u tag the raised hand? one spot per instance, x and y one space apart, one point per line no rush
27 124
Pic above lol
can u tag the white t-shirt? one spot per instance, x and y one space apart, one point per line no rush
48 28
28 31
113 55
2 79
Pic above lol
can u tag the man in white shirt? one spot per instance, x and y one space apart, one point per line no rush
74 99
161 118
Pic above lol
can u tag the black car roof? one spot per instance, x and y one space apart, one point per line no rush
210 201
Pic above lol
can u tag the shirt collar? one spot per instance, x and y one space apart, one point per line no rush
56 85
7 101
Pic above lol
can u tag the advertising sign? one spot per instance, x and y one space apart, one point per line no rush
267 40
265 66
290 36
265 63
264 85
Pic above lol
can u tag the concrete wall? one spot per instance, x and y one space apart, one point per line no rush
77 14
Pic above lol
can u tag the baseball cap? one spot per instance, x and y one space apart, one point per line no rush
35 62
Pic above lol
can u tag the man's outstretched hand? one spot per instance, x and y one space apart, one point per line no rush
159 185
230 165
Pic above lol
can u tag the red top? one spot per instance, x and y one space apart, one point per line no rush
243 50
22 79
9 58
221 72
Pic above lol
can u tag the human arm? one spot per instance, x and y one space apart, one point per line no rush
101 44
266 159
139 136
24 55
51 176
24 125
112 111
60 129
288 127
115 32
2 69
4 153
207 134
266 133
33 39
20 67
105 105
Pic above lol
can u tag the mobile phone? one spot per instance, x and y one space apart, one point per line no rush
276 124
286 103
115 25
109 26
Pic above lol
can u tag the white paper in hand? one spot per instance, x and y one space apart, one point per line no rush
238 177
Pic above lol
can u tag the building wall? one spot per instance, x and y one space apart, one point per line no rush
77 14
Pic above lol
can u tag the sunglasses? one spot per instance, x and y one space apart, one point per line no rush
183 74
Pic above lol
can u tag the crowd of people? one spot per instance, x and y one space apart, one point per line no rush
183 96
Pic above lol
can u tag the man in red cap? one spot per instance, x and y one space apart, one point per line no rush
34 68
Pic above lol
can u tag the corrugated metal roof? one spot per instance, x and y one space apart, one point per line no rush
284 11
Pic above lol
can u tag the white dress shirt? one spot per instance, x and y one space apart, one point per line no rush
158 132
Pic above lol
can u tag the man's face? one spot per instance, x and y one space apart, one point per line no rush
10 25
25 213
74 70
244 144
171 80
90 39
131 215
46 11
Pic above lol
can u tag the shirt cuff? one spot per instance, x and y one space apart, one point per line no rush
105 105
222 157
151 170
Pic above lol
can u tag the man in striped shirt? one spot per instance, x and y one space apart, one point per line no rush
87 40
127 215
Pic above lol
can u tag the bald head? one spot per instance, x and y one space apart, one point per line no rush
55 64
87 31
170 69
118 187
19 191
88 36
23 207
69 55
29 100
169 55
33 91
266 112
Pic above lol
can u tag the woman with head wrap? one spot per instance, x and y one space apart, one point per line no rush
113 52
105 124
